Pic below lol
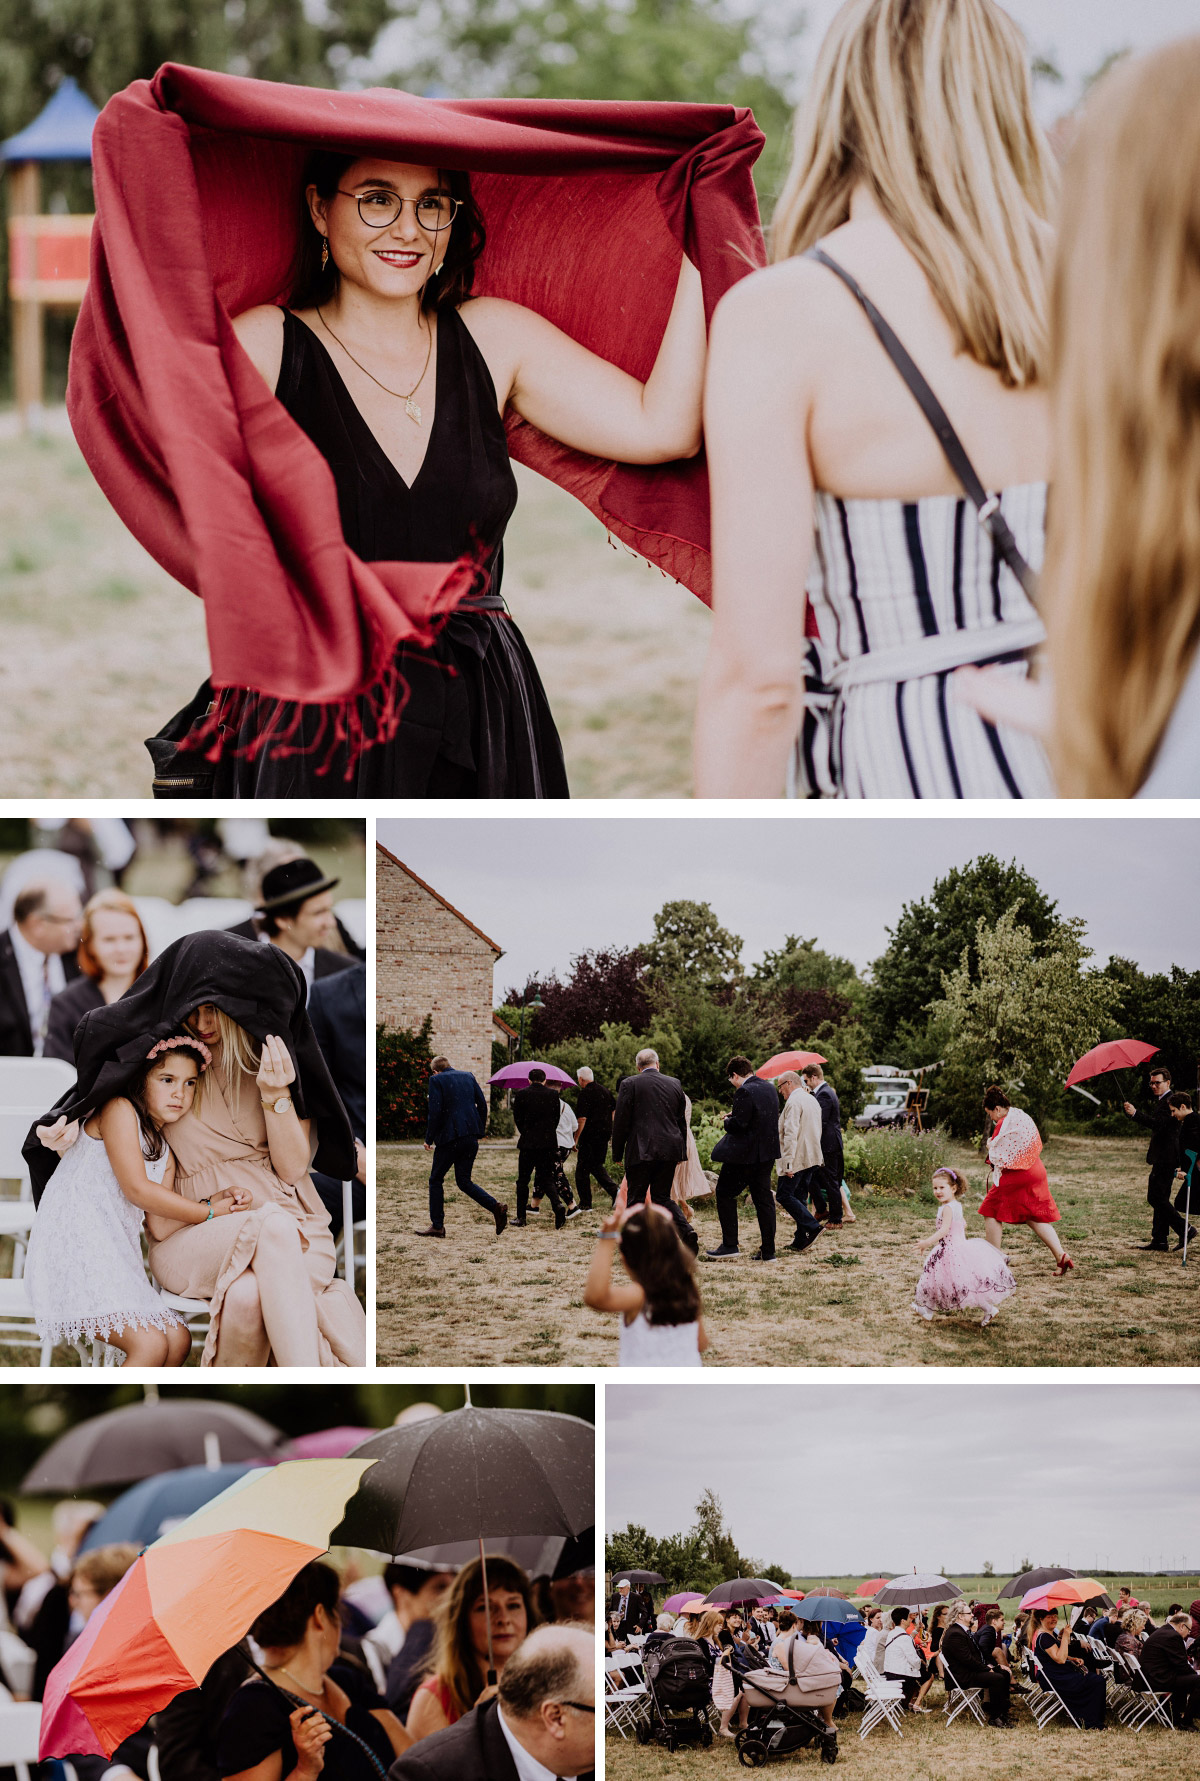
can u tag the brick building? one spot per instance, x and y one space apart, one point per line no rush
431 960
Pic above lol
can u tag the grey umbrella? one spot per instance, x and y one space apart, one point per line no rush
472 1474
1033 1580
916 1591
740 1589
142 1440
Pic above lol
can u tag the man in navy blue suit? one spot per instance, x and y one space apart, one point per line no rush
746 1154
828 1186
457 1121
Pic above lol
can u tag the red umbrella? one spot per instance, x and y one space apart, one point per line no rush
872 1585
788 1060
1114 1054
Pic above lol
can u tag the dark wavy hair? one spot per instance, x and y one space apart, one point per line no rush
662 1267
311 286
153 1142
285 1622
995 1097
453 1659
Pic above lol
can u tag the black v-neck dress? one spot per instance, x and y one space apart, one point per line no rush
477 723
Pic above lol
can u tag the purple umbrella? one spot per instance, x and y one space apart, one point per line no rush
674 1604
517 1075
332 1443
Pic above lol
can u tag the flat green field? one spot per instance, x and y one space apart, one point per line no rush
517 1300
101 646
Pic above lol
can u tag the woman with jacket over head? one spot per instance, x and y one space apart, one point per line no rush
921 183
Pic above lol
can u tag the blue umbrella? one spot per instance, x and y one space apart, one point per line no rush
824 1607
141 1513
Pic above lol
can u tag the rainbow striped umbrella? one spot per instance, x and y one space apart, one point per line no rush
189 1597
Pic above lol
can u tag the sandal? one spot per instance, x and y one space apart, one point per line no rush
1065 1264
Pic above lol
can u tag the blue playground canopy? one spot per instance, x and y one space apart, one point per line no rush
62 130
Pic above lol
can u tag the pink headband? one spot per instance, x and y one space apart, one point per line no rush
182 1039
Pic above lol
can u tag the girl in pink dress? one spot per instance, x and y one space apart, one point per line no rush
960 1272
1019 1192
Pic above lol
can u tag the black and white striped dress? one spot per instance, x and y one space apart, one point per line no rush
904 592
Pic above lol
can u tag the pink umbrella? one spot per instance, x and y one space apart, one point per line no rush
788 1060
517 1075
1115 1054
330 1443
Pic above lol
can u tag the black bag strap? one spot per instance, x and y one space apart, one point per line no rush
987 507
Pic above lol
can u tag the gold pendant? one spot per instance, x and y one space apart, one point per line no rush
412 410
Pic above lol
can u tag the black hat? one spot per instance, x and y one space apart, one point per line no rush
293 882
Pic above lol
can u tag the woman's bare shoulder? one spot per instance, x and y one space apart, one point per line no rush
260 332
778 311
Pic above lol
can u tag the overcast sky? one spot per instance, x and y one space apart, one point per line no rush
833 1479
547 888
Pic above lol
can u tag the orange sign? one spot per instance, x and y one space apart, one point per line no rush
48 258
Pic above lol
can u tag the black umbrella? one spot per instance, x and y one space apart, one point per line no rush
158 1436
471 1474
1018 1586
536 1553
647 1578
740 1589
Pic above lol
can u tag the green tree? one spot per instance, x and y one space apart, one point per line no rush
1161 1008
847 1052
632 1549
690 947
1018 1016
802 964
612 1054
929 937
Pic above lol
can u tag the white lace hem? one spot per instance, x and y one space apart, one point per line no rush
97 1328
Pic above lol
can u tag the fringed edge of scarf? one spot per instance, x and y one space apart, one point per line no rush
244 724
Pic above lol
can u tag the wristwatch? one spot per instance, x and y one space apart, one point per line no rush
279 1106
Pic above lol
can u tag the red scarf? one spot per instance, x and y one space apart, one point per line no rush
197 176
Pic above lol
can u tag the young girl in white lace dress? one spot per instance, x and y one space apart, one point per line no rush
960 1272
659 1301
84 1270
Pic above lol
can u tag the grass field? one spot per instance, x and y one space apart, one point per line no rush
517 1300
101 646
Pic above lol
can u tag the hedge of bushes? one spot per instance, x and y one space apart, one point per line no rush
402 1070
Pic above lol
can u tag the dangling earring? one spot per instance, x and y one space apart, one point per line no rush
324 252
437 269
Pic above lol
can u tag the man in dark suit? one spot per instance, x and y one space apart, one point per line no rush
37 959
969 1669
649 1130
594 1109
542 1723
535 1113
337 1007
746 1154
1163 1156
1165 1662
457 1121
833 1158
1187 1132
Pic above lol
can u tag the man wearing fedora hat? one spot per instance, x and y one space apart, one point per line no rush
295 913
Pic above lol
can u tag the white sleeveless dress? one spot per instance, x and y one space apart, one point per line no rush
84 1270
659 1344
903 593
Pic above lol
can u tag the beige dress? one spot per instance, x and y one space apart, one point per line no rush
222 1143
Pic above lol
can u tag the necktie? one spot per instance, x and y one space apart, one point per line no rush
43 1020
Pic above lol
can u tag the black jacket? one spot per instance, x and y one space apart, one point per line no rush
831 1122
67 1009
457 1108
596 1104
751 1125
337 1007
258 986
650 1122
250 930
535 1110
1163 1149
473 1749
964 1658
1164 1659
16 1034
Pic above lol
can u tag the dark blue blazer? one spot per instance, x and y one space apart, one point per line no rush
831 1122
751 1125
337 1007
457 1108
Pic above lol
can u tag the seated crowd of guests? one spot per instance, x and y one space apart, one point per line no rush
404 1691
961 1644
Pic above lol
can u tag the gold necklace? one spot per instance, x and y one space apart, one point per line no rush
411 408
303 1686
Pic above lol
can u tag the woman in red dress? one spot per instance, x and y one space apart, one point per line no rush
1019 1191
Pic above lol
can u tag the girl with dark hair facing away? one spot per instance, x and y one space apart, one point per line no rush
401 379
306 1725
662 1324
84 1270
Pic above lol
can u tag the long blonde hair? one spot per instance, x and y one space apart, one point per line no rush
929 104
1122 578
240 1053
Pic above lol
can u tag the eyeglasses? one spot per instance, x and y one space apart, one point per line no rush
434 211
578 1706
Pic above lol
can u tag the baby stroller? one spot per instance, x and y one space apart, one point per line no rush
678 1676
783 1716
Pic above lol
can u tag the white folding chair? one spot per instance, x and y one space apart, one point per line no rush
884 1699
351 1245
959 1700
1044 1701
20 1723
624 1702
1145 1705
28 1087
17 1328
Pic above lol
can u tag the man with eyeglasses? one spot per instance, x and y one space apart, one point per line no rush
541 1726
37 959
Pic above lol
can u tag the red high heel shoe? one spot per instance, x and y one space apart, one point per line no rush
1065 1265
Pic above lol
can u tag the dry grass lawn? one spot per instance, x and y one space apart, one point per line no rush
473 1299
100 646
929 1751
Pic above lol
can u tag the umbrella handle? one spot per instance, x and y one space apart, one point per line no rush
487 1609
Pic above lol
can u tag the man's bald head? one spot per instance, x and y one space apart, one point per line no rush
548 1696
49 915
